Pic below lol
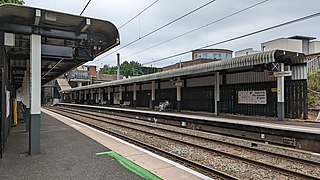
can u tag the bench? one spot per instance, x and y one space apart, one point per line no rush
125 103
165 108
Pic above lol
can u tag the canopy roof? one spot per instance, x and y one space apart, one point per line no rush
239 63
67 40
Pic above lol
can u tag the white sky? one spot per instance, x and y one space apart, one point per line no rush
119 11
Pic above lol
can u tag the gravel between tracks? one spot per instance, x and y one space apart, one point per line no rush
228 165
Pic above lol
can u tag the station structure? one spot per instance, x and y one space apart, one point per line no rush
37 46
271 83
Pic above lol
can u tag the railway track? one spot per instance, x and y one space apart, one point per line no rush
266 162
192 164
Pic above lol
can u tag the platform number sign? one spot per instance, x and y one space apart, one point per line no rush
252 97
273 67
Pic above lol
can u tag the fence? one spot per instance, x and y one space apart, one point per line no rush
314 89
313 64
295 102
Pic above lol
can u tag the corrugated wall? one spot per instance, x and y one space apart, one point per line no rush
299 72
249 77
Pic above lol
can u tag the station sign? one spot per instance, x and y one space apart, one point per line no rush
252 97
282 73
178 83
274 90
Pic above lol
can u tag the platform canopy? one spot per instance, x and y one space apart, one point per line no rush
244 63
67 41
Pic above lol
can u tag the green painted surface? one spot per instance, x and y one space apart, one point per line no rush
131 166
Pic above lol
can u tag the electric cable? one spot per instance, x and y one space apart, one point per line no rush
196 29
85 7
157 29
241 36
138 14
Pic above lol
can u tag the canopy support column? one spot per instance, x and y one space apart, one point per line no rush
109 96
153 95
35 72
179 85
134 94
280 84
91 96
120 94
216 93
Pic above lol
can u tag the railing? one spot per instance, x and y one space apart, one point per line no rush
313 64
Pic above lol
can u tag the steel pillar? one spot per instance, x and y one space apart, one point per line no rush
91 96
216 93
134 95
99 96
120 94
178 84
102 96
153 94
118 66
109 96
3 89
35 72
280 87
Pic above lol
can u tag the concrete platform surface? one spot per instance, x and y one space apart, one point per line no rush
162 167
65 154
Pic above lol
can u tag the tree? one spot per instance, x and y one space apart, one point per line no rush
108 70
131 68
127 69
12 1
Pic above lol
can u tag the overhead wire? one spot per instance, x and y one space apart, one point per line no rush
85 7
155 30
138 14
239 37
196 29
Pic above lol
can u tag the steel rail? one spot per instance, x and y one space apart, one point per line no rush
196 165
258 163
289 158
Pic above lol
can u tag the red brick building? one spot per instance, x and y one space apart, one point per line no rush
201 56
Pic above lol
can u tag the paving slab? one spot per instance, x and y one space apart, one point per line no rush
65 154
143 158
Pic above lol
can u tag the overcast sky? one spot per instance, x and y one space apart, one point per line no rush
118 12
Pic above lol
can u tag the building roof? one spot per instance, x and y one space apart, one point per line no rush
212 50
67 40
106 77
301 37
63 84
279 56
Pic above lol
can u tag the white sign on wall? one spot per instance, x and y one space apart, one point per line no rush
252 97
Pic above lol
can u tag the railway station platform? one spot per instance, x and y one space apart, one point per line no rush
69 151
259 121
291 133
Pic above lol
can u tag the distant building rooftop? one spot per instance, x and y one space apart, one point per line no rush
302 37
213 50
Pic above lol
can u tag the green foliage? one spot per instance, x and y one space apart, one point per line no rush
131 68
314 81
314 89
311 99
108 70
12 1
127 69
